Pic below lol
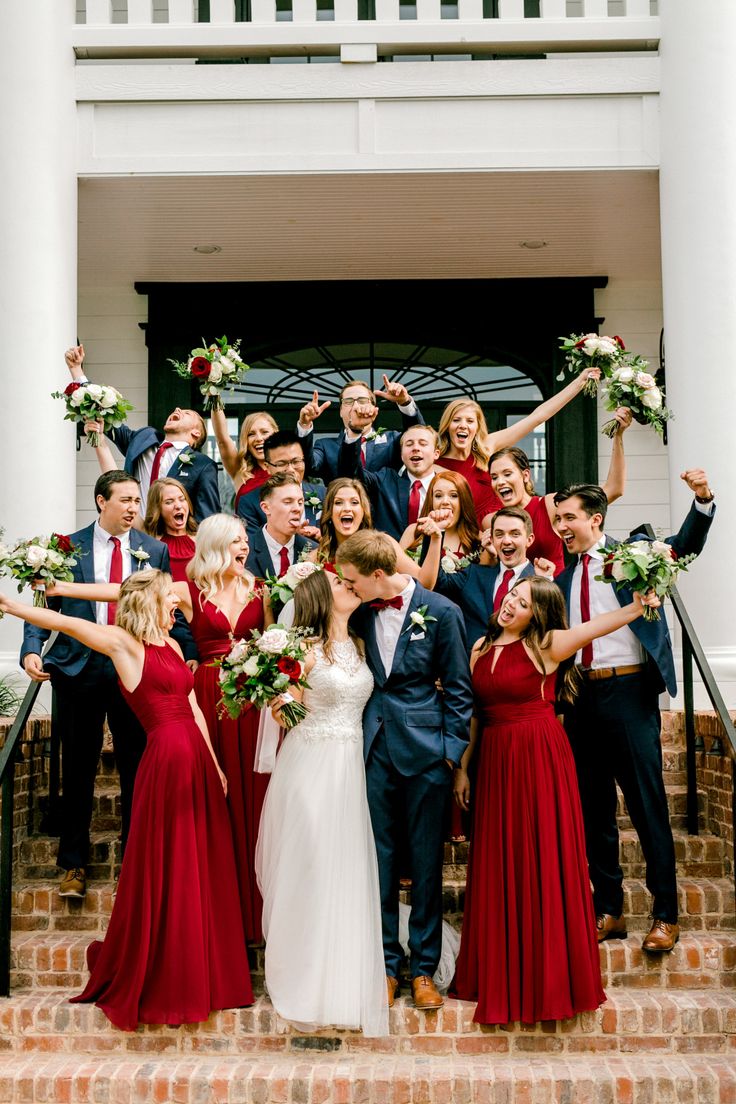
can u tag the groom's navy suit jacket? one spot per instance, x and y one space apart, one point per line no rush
198 474
654 636
422 725
472 590
68 655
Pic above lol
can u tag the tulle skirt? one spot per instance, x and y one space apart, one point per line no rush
317 871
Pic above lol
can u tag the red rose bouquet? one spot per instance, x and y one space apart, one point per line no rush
591 351
263 668
41 559
93 402
642 566
216 368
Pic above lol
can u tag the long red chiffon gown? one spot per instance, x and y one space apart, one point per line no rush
234 743
174 950
528 950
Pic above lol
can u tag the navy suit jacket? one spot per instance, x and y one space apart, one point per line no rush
259 560
387 490
323 456
249 508
68 655
654 636
422 725
198 475
472 590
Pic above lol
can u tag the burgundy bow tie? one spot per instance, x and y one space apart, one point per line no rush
384 603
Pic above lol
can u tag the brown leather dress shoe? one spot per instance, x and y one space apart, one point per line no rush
662 936
392 987
610 927
425 994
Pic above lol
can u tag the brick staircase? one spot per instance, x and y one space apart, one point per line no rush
666 1033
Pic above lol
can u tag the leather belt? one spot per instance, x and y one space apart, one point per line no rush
595 673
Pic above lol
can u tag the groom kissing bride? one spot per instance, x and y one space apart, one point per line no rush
414 735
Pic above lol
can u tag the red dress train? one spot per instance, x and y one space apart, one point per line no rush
174 950
528 950
234 743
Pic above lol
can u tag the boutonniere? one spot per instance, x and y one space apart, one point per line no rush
419 619
186 458
313 500
378 435
141 556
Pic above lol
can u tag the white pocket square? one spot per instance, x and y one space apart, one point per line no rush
417 636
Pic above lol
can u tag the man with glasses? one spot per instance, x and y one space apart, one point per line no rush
283 452
359 412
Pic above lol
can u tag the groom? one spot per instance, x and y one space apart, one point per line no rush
414 736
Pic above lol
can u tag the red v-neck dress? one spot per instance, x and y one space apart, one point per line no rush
234 743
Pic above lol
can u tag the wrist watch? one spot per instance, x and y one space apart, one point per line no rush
704 501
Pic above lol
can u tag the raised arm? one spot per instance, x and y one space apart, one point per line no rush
228 449
566 642
616 479
110 592
505 438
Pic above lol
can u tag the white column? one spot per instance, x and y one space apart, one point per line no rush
38 275
698 222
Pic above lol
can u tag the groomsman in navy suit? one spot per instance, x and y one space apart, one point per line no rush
614 725
280 542
283 453
173 451
414 736
359 413
479 590
84 681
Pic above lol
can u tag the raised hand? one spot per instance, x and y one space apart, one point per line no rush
697 481
394 392
310 531
589 374
650 599
441 517
623 416
312 410
544 568
74 358
93 427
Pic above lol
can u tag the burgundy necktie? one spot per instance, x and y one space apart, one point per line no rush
363 446
285 561
387 603
414 500
503 588
115 576
585 606
157 460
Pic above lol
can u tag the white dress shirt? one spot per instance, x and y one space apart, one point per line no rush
274 549
102 558
619 648
502 572
144 465
389 623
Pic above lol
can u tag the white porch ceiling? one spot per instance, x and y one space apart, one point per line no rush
369 226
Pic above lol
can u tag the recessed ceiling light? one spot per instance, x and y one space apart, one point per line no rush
208 249
533 244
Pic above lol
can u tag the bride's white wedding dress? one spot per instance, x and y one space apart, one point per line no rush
316 861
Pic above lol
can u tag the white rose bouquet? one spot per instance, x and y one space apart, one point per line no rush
281 590
630 385
451 562
94 402
41 559
216 368
591 351
644 565
263 668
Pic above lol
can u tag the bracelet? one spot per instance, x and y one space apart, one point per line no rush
704 501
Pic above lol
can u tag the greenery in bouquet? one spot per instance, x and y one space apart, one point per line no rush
630 385
451 562
216 368
590 351
263 668
94 402
40 559
644 565
281 590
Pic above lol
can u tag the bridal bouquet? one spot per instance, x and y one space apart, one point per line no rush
281 590
44 559
591 351
93 402
451 562
263 668
631 386
644 565
217 368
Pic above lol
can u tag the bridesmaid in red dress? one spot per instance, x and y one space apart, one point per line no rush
245 464
169 518
466 446
511 477
174 950
221 601
529 950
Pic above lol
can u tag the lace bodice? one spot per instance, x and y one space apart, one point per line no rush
337 696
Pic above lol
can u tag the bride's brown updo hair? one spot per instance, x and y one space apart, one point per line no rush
313 609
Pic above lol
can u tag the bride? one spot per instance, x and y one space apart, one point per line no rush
315 858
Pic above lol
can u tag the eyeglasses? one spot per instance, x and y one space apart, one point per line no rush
282 465
362 399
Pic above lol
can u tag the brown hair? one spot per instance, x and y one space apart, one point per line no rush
514 512
281 479
328 542
520 459
358 383
478 448
246 461
368 551
467 525
548 613
313 605
153 523
202 429
429 429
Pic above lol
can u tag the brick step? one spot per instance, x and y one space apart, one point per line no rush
677 805
55 960
673 1023
367 1078
37 857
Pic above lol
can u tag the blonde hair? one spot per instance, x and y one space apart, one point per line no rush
478 449
153 523
212 556
141 607
246 461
